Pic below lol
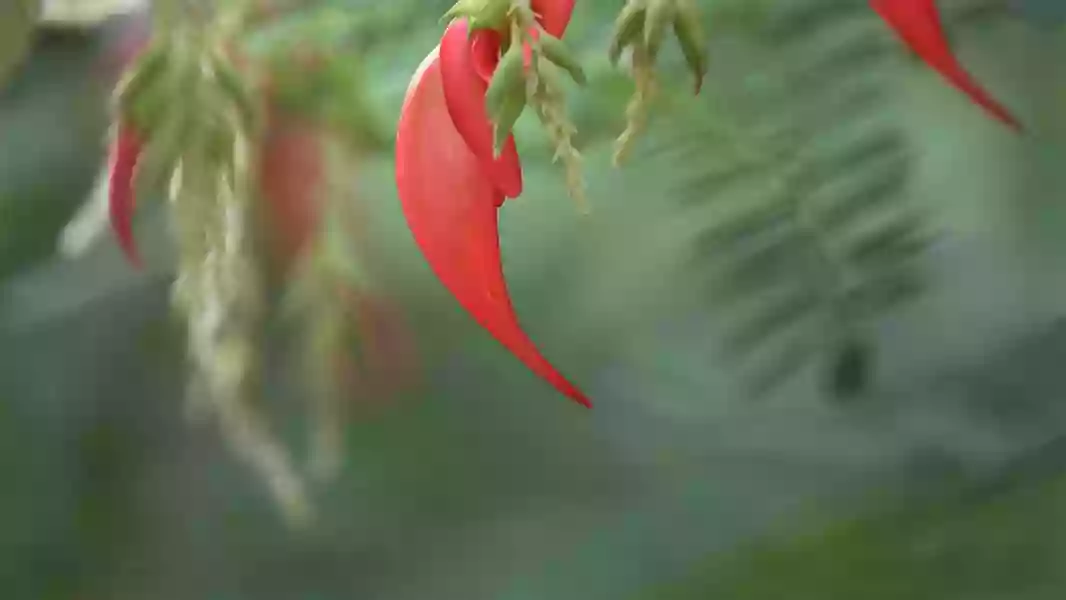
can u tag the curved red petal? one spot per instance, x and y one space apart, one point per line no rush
917 23
554 15
450 208
485 52
125 151
464 92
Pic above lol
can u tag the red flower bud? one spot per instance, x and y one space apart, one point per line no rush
917 23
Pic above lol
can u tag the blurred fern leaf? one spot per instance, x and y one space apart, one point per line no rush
810 236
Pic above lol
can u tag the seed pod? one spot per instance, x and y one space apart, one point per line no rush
627 29
560 54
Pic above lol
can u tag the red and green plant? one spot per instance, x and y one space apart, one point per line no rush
240 162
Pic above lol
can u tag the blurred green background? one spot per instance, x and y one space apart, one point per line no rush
942 479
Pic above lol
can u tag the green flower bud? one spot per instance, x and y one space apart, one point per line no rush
658 15
560 54
510 75
482 14
628 28
689 32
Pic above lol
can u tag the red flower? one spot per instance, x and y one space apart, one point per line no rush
450 184
917 23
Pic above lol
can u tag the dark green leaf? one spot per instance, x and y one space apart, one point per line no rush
770 317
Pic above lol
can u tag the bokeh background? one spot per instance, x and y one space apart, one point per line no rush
941 477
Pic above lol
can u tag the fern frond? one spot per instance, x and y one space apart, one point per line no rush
810 236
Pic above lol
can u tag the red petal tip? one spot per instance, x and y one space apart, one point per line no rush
917 23
125 152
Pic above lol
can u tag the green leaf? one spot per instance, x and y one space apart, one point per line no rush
809 231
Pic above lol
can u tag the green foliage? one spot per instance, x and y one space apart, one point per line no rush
990 547
35 204
18 19
802 180
317 65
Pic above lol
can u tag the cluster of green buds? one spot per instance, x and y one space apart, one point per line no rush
532 58
512 88
252 135
531 61
197 127
641 27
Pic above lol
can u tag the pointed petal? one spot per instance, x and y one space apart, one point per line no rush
125 151
554 15
451 210
464 91
917 23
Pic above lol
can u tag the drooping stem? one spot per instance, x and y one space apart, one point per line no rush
550 104
639 106
205 145
545 94
220 291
